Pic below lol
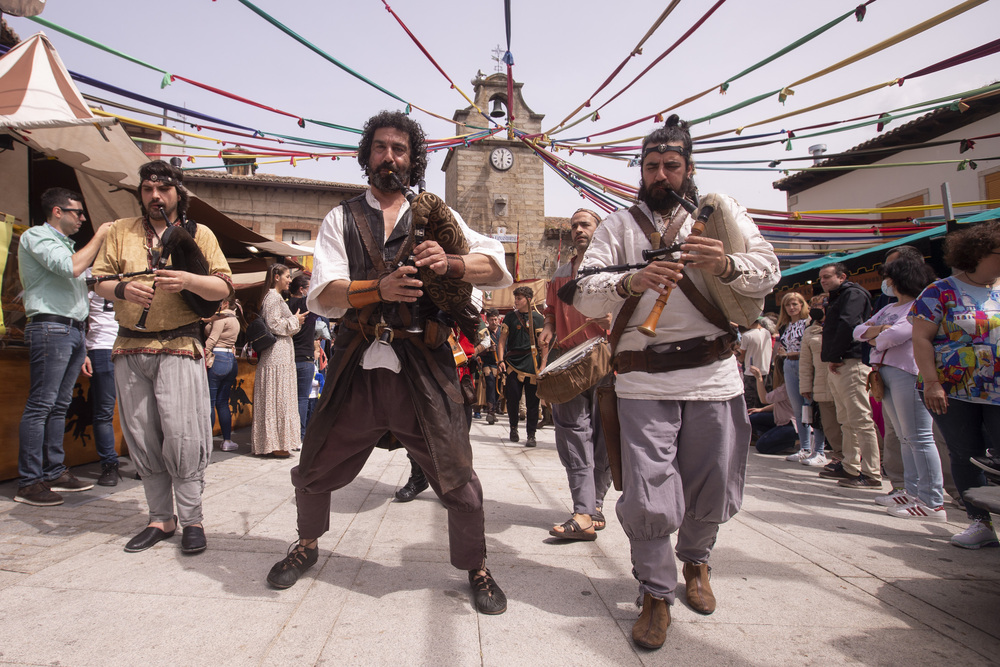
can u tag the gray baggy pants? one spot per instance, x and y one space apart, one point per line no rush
379 402
163 399
580 443
683 469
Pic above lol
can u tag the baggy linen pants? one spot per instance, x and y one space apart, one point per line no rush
379 402
683 469
164 406
580 443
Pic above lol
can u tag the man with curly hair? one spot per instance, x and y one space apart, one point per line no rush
385 382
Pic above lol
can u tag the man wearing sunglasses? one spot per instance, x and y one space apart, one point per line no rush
56 304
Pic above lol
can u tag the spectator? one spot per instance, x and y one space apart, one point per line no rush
756 346
814 384
55 302
220 358
956 326
102 330
772 423
276 423
305 349
791 326
849 306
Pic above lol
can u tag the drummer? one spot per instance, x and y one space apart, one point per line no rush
579 440
684 428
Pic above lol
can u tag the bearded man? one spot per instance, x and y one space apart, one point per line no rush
684 429
404 387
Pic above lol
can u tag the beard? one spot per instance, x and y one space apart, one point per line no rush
659 199
385 182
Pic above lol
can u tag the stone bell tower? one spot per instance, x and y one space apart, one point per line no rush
497 183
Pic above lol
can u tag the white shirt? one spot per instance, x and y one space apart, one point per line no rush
102 329
619 240
331 263
757 345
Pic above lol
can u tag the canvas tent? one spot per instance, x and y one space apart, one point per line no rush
41 109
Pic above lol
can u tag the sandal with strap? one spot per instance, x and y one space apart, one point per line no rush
488 597
287 571
571 531
599 520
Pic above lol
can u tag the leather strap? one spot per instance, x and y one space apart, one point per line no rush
690 353
371 246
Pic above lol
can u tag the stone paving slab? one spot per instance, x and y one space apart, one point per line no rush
807 574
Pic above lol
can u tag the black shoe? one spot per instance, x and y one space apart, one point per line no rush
860 482
109 475
486 593
513 435
837 472
989 463
148 538
491 419
193 540
287 571
530 442
414 486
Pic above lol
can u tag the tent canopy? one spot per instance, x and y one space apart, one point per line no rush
42 108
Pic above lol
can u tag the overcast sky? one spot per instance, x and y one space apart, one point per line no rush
563 50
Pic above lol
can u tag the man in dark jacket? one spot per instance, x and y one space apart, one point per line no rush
849 306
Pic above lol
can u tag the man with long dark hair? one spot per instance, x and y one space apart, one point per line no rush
160 378
385 381
684 428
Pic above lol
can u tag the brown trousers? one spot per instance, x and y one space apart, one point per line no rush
378 403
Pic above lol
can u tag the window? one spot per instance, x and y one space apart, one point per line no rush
295 235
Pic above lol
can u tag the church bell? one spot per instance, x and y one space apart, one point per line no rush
497 110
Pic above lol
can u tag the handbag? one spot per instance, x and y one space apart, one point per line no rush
259 336
874 383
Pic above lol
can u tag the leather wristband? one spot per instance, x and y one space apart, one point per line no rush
120 290
456 267
361 293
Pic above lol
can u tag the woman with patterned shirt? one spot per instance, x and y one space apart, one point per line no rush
792 323
956 329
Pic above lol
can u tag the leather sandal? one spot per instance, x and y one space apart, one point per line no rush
489 598
599 521
571 530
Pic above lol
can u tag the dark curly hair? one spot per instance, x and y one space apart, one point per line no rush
399 121
964 249
158 170
909 275
524 291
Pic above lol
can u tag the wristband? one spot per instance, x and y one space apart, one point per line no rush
456 266
628 286
361 293
120 290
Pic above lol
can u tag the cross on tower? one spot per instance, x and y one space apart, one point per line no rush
497 58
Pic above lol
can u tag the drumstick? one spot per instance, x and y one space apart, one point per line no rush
648 327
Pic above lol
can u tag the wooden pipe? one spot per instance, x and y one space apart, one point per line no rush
648 328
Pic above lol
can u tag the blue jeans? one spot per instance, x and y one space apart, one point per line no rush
491 389
771 439
912 422
791 369
305 371
963 429
221 377
56 355
102 403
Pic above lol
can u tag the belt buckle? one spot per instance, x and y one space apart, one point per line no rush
381 328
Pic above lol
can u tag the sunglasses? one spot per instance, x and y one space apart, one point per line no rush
78 211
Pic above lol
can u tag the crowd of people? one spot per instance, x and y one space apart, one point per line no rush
669 423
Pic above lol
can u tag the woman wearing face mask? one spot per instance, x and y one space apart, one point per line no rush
891 334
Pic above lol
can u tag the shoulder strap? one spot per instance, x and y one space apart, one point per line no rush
625 314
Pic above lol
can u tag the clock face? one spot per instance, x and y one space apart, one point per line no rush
502 159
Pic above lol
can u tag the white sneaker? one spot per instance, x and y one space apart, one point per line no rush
229 446
798 456
815 460
917 510
895 498
979 534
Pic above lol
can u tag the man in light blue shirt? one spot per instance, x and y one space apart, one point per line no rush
55 301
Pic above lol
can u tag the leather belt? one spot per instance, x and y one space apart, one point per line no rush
57 319
192 330
690 353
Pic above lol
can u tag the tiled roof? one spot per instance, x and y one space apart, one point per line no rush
202 175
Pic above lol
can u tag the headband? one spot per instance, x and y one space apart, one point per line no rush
587 210
165 180
663 148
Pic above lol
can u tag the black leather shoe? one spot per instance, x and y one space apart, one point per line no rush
148 538
530 442
486 594
193 540
513 435
109 475
414 486
287 571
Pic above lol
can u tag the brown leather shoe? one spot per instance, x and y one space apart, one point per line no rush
699 591
650 631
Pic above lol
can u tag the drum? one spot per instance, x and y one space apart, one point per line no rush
722 225
576 371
